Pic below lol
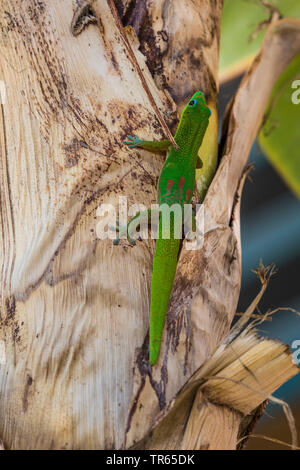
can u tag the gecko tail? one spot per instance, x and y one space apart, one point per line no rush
164 269
154 351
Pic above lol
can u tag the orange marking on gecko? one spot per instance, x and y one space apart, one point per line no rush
187 195
181 182
170 183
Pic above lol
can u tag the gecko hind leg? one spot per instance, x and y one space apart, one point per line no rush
122 230
126 229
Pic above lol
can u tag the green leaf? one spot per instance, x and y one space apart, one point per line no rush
279 137
240 19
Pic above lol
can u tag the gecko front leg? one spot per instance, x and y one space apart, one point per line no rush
151 145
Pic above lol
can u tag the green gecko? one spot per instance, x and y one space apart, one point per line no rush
176 185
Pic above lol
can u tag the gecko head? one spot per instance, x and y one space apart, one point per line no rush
194 116
197 106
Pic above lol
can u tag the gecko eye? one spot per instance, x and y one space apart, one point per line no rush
193 103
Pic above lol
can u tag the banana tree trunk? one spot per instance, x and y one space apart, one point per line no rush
74 315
